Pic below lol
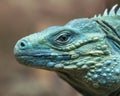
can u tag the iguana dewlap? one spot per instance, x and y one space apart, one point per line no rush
85 52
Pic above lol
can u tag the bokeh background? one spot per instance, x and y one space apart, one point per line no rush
19 18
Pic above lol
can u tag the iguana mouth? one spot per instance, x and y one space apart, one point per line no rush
30 61
45 55
42 60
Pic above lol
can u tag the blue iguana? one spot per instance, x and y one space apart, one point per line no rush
85 52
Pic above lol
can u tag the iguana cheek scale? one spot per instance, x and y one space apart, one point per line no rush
84 52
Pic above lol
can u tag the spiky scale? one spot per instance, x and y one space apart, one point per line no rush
118 12
112 11
105 12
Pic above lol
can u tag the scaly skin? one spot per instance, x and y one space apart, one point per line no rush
84 52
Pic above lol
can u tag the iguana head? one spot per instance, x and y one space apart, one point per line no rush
84 51
63 46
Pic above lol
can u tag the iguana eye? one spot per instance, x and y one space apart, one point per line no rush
63 38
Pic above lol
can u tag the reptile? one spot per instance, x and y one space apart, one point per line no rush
85 52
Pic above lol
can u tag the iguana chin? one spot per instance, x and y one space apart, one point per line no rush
85 52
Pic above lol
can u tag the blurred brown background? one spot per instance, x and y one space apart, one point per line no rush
19 18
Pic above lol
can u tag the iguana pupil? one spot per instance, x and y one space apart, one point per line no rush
63 37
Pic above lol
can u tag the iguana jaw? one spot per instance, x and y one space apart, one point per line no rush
40 58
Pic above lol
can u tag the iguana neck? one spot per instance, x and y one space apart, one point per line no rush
94 82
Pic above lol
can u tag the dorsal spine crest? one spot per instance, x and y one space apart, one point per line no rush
112 12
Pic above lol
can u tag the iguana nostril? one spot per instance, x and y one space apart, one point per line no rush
23 44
